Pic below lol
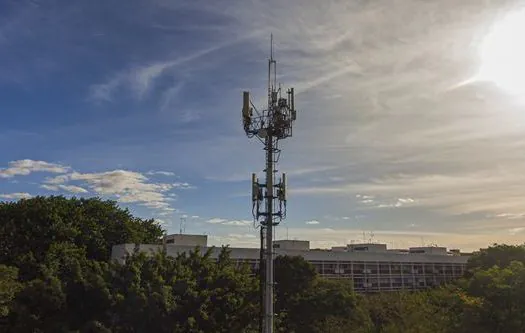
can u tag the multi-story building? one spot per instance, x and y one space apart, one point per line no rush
372 267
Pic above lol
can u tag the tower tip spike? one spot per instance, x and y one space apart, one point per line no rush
271 47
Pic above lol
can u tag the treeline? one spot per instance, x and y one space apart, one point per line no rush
56 276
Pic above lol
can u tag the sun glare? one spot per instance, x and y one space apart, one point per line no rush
503 54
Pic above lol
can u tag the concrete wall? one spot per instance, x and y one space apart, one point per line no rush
429 250
297 245
367 247
312 255
186 240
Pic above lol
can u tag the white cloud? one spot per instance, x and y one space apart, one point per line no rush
405 200
126 186
238 223
400 202
182 186
25 167
162 173
510 216
346 218
67 188
216 220
16 196
56 180
49 187
515 231
364 196
227 222
241 236
312 222
195 217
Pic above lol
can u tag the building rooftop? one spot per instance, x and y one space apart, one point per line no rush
304 245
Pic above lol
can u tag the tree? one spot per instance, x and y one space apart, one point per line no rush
325 303
9 286
191 293
29 228
503 293
39 307
500 255
293 275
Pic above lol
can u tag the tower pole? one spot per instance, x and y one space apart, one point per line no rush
268 304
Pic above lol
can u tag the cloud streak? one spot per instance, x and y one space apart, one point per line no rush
15 196
126 186
227 222
312 222
27 166
66 188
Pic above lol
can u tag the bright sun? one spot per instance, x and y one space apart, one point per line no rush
503 54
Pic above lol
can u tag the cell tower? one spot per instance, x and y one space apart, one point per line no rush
269 198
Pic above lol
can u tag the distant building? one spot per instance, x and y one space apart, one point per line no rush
186 240
372 267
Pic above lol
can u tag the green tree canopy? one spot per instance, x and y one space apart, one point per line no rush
30 228
496 255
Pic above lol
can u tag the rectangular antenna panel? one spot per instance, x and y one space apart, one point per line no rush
255 188
246 104
283 187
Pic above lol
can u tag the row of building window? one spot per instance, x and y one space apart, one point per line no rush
380 276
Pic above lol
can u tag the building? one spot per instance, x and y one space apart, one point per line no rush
186 240
372 267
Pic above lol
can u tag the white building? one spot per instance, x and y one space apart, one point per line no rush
372 267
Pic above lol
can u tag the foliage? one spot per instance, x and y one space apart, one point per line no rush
56 276
500 255
293 275
31 228
9 286
503 294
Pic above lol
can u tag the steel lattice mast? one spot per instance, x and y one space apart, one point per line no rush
269 198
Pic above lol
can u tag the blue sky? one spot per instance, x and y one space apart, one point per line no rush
139 101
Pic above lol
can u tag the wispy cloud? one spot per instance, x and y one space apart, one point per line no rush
16 196
25 167
227 222
162 173
216 220
312 222
515 231
400 202
124 185
140 80
510 216
128 187
238 223
67 188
